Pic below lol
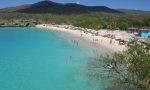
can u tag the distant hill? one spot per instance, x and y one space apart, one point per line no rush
94 17
58 8
133 11
14 9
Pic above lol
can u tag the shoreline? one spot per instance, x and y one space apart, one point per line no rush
107 43
14 26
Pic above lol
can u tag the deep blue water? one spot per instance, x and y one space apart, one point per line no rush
34 59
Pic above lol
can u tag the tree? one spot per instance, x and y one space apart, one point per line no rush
147 22
112 25
131 68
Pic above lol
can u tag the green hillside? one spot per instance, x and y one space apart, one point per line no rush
96 17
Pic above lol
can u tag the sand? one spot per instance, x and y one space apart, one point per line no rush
108 43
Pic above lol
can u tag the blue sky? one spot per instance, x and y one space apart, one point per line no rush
123 4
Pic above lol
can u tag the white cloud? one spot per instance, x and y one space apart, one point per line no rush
77 2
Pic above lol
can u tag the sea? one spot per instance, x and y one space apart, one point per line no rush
39 59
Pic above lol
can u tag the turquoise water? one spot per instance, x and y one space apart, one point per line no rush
34 59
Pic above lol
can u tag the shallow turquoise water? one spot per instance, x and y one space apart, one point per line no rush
34 59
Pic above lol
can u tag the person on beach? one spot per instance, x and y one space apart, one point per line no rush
114 42
110 41
101 41
93 40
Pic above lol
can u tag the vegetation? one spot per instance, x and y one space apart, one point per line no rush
78 15
92 20
130 69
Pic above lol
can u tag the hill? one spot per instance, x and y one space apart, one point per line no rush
58 8
94 17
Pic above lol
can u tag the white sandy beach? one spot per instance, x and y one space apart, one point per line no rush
108 43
